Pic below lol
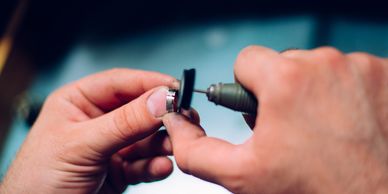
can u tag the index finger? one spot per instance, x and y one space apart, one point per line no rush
253 67
110 89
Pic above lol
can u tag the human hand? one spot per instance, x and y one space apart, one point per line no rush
322 126
96 135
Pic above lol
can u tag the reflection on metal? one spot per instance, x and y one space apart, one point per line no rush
171 102
7 39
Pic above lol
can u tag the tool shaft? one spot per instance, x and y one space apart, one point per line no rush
200 91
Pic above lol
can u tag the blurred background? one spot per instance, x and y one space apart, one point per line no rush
45 44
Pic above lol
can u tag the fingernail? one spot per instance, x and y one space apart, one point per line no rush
167 145
187 113
172 119
156 103
175 84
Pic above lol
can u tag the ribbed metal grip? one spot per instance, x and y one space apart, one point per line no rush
233 96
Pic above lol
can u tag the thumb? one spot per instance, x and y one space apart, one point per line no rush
211 159
126 125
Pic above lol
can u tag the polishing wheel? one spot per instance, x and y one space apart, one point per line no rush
186 88
177 100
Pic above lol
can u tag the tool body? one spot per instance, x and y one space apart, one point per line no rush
231 95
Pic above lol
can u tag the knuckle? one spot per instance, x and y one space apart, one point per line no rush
235 177
237 184
68 146
135 117
360 58
53 97
330 57
291 53
123 126
367 64
290 72
116 70
186 153
289 77
330 52
251 58
181 156
248 53
120 128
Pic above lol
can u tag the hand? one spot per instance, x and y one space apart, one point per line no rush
322 126
96 135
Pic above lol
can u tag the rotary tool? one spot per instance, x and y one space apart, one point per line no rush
230 95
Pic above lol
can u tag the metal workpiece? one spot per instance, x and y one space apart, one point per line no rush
171 101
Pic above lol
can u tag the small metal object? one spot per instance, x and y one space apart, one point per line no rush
178 100
171 102
200 91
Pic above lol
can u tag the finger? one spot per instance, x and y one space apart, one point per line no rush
328 56
110 89
157 144
192 114
126 125
368 64
199 155
147 170
253 67
115 180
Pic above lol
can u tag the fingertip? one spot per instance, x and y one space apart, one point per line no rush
251 52
147 170
159 168
180 127
253 63
166 144
294 53
171 120
194 115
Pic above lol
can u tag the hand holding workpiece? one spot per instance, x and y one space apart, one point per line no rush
96 135
321 127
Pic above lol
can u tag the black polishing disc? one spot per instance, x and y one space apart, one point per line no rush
186 89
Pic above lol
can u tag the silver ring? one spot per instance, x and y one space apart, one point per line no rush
171 102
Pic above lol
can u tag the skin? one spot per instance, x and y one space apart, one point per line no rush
96 135
322 126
